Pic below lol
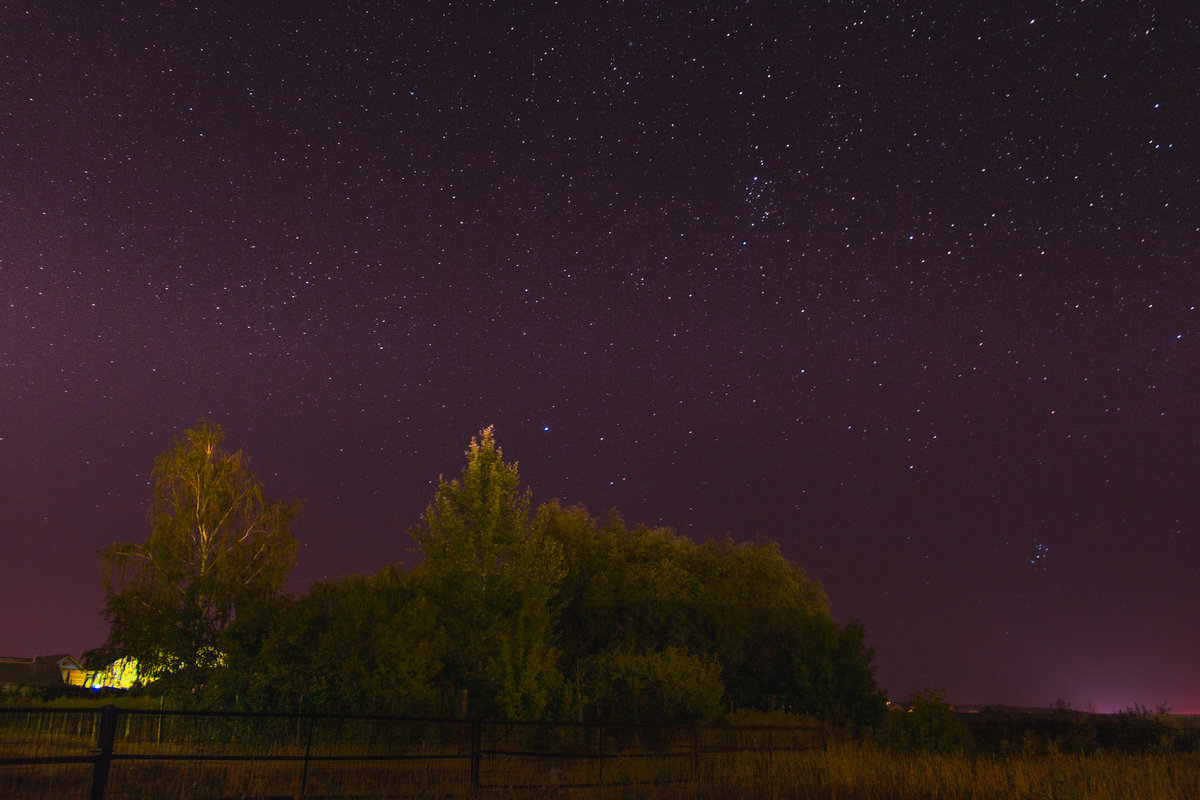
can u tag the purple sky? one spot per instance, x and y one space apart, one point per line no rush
913 293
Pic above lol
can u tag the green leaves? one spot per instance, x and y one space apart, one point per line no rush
648 625
215 542
669 685
491 572
928 724
360 644
649 591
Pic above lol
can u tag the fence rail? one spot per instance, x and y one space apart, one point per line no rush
111 753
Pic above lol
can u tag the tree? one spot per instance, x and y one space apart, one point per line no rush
929 724
856 696
652 686
491 572
741 606
359 644
216 542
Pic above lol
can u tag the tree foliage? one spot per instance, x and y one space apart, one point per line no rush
928 724
360 644
741 607
216 543
514 612
663 686
491 572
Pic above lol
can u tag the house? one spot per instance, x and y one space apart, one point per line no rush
121 674
39 672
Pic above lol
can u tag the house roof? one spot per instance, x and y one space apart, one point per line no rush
64 661
36 671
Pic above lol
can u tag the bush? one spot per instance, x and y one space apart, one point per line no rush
929 724
1138 729
754 716
669 685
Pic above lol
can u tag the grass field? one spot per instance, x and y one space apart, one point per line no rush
865 772
845 772
435 760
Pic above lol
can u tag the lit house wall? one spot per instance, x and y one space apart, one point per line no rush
121 674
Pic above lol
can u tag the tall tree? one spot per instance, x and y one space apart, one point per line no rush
216 541
631 596
491 571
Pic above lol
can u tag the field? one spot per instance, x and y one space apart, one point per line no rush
865 772
59 752
845 771
164 754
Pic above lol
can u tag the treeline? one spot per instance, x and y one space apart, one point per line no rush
526 613
927 723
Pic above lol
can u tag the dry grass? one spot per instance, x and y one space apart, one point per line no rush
864 772
846 771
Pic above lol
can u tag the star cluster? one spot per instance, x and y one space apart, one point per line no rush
911 292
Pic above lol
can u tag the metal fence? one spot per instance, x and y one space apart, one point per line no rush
111 753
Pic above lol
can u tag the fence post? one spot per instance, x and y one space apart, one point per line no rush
476 753
104 749
695 754
312 723
600 751
159 726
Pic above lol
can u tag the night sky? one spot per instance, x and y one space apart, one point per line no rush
912 292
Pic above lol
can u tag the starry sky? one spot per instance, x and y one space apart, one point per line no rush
912 292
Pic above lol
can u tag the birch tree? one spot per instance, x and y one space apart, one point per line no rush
215 541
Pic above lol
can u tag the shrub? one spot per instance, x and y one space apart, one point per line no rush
670 685
929 724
